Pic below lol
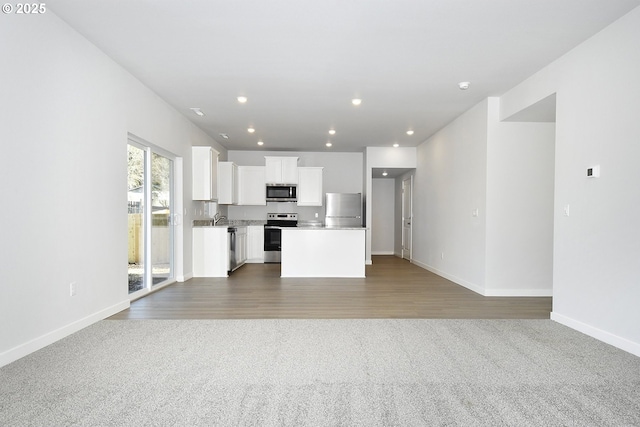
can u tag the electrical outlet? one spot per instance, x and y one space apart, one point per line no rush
72 289
441 255
567 210
593 172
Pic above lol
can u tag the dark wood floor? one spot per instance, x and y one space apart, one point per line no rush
394 288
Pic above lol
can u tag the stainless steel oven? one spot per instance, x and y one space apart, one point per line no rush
273 234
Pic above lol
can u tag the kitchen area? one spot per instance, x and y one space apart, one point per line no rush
281 209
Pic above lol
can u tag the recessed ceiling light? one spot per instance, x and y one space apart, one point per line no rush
328 144
396 145
332 131
198 111
251 130
384 173
260 143
224 135
464 85
409 132
356 101
242 99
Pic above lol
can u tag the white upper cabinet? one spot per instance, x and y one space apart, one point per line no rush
227 183
310 186
281 170
251 185
204 173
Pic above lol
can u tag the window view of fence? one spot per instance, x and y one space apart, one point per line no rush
149 227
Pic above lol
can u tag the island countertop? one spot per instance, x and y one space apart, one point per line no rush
313 227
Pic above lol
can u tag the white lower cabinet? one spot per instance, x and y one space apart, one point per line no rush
210 251
255 243
241 245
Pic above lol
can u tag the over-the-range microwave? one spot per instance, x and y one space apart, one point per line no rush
281 193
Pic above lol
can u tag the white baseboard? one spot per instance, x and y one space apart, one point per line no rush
185 277
472 286
56 335
382 253
518 293
487 292
599 334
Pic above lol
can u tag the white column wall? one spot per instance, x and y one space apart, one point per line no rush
450 182
597 248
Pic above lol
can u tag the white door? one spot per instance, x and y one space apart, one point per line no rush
406 217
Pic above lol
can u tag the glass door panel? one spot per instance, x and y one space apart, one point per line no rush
136 215
161 210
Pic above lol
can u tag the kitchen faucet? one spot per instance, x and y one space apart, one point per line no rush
217 218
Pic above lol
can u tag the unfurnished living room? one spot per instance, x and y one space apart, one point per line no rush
332 213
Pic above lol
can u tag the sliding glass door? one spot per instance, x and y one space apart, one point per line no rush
150 204
161 229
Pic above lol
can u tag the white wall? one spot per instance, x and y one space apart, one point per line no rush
66 114
519 213
596 268
383 216
450 182
342 173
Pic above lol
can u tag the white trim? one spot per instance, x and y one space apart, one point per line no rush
383 253
599 334
488 292
518 292
471 286
49 338
185 277
146 291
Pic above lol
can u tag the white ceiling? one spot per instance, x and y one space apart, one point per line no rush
301 62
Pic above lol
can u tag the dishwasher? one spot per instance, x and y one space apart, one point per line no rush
233 259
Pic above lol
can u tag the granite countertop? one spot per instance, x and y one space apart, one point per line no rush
323 228
226 223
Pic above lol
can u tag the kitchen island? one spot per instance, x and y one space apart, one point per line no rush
323 252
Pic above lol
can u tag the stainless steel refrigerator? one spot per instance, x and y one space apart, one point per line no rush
343 210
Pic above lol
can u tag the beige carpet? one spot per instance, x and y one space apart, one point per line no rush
323 372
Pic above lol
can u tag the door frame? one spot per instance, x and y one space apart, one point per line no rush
407 253
174 219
